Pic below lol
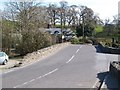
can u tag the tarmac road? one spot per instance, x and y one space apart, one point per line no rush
76 66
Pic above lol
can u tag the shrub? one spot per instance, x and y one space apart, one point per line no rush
56 39
87 40
75 41
33 41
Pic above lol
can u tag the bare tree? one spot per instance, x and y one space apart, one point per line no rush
52 11
63 6
27 17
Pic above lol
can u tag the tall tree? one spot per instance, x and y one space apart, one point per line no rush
63 6
88 20
52 11
28 17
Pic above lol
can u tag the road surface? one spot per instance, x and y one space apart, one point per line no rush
76 66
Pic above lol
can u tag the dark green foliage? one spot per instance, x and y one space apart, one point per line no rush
81 41
109 29
79 31
88 30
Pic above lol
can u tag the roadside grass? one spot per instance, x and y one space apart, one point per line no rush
99 29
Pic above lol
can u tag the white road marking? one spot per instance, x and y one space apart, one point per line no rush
94 86
25 83
32 80
39 77
16 86
70 59
77 51
44 74
50 72
104 81
15 69
36 78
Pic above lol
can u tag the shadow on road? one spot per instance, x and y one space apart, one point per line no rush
101 76
111 83
98 49
108 50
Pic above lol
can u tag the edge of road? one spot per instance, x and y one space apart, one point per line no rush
47 50
99 84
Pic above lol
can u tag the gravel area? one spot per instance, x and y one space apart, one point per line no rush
33 57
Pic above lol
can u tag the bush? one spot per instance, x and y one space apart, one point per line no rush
56 39
81 40
87 40
33 41
75 41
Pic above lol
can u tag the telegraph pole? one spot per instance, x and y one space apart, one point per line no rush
0 33
83 29
61 24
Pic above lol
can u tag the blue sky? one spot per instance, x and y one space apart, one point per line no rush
105 8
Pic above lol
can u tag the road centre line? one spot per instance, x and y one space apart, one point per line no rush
70 59
94 86
32 80
77 51
25 83
15 69
74 55
46 73
50 72
16 86
37 78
